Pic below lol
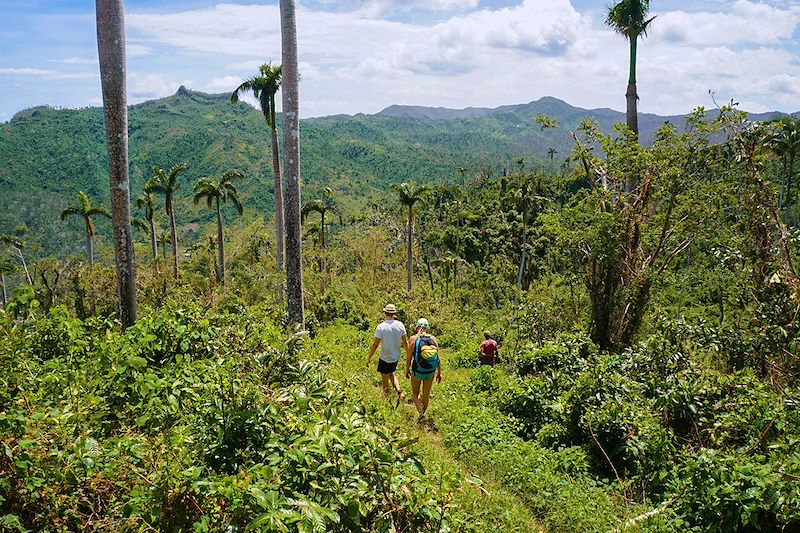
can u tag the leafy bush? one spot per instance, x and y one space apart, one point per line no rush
194 423
530 402
736 492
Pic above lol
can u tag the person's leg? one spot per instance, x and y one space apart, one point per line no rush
415 383
426 394
386 382
395 383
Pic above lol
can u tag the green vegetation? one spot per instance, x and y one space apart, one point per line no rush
85 210
644 296
216 192
48 155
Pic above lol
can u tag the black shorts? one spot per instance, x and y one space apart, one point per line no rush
489 361
386 368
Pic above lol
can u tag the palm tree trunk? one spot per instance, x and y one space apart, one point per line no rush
291 147
409 237
323 264
24 266
174 242
3 287
430 270
220 247
787 214
89 249
457 272
631 111
522 256
278 187
630 95
153 243
783 183
111 52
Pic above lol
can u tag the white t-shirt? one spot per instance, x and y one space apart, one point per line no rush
391 333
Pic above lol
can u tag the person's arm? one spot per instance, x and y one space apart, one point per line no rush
375 344
439 366
409 344
482 350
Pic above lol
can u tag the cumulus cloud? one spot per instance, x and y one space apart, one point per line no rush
362 55
143 86
224 28
747 22
380 8
225 84
29 72
75 60
137 50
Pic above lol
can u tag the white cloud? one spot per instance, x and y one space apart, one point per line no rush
49 74
143 86
490 57
225 84
251 65
75 60
225 28
379 8
137 50
747 22
27 71
354 59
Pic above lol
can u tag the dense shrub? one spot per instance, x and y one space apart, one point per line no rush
192 423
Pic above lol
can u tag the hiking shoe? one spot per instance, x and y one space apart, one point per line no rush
421 419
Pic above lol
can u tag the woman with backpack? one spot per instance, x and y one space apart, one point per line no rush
422 363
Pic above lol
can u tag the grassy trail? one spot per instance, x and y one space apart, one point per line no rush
481 505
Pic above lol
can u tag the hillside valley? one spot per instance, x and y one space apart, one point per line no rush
47 155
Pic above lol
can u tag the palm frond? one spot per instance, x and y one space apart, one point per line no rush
102 211
67 211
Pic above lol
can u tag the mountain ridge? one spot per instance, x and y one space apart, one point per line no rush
47 155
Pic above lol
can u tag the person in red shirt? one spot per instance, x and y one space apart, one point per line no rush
488 355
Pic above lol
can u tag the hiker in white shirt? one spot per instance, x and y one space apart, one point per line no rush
390 335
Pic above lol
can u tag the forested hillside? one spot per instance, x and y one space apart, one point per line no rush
48 155
645 302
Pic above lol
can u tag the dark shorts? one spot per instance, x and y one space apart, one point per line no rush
486 361
386 368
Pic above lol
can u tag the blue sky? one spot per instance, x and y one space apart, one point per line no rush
363 55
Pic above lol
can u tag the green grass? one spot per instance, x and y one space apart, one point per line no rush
480 504
511 484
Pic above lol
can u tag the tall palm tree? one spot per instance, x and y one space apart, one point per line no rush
264 87
6 267
163 239
551 152
322 207
216 192
629 19
147 202
86 211
17 245
522 196
785 141
110 17
166 183
410 195
291 158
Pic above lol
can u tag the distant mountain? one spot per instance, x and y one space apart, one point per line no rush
47 155
567 115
